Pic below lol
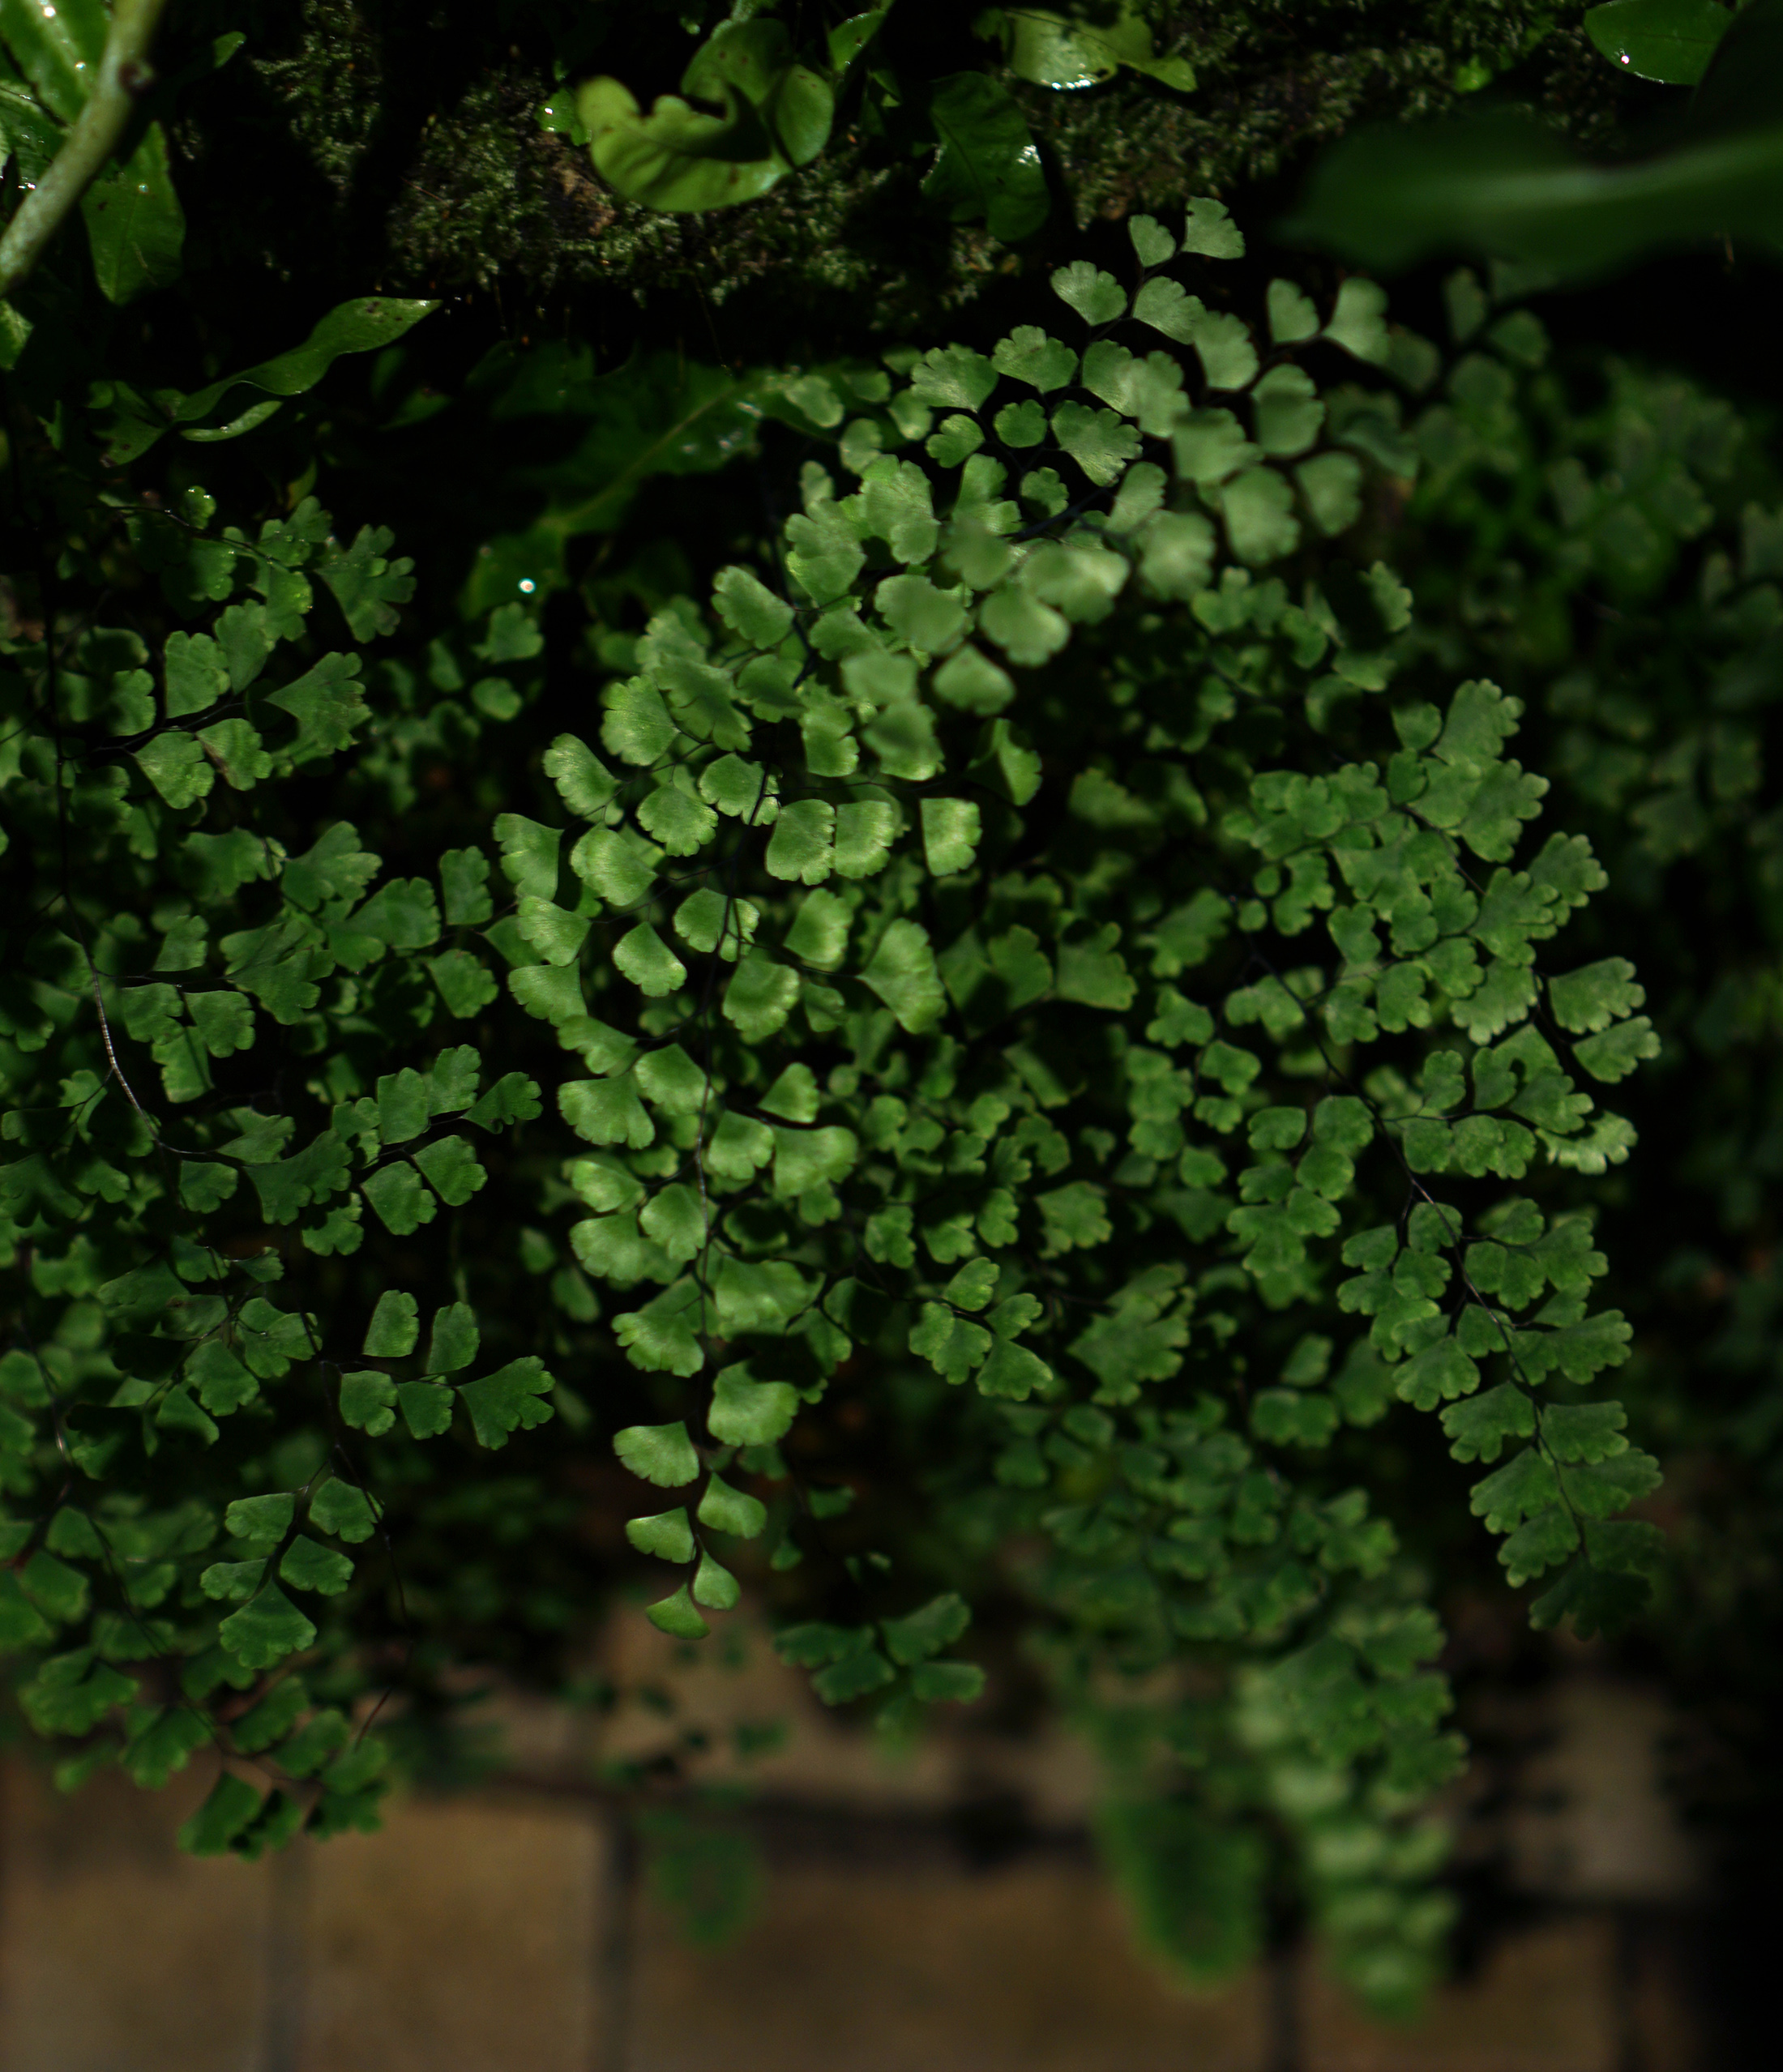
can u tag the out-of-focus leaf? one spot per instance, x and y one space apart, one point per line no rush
1500 186
1196 1887
54 45
660 414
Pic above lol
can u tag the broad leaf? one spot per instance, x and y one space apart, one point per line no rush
988 166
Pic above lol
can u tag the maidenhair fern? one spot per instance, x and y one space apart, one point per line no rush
817 836
1046 938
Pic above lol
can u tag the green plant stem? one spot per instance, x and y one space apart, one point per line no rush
124 77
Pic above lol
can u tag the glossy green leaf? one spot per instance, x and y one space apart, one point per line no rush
366 325
135 226
53 46
755 57
988 166
848 39
680 157
1055 51
1670 41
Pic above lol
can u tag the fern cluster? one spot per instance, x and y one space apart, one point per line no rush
1050 947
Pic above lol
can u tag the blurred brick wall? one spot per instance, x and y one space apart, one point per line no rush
504 1930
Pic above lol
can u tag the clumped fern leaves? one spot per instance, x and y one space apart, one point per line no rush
1050 940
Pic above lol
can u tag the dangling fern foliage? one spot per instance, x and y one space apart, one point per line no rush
1049 948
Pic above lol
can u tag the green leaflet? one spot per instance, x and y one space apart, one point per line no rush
1211 230
508 1400
760 997
70 1694
308 1566
582 780
661 1454
676 1616
726 1509
746 1411
662 1337
648 961
1097 296
902 972
714 1585
346 1512
668 1536
267 1629
1028 355
803 844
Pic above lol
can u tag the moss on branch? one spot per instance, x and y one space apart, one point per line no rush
413 128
